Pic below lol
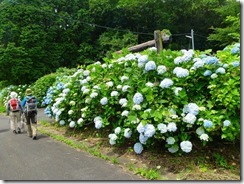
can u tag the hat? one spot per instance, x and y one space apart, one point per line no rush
28 91
13 94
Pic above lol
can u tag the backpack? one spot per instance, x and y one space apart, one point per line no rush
14 105
31 104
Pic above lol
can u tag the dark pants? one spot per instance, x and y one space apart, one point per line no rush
31 122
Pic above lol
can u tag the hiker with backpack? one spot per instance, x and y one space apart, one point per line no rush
14 110
29 103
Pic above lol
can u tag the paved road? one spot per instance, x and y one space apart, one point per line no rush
22 158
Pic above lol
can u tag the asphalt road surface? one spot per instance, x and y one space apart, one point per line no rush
22 159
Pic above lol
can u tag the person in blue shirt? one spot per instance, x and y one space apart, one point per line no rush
29 103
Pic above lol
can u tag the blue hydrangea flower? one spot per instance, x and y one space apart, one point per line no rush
142 60
166 83
226 123
235 63
98 124
235 50
220 70
143 139
225 66
150 65
62 122
186 146
149 130
138 148
207 73
210 60
138 98
180 72
207 123
198 63
104 101
140 128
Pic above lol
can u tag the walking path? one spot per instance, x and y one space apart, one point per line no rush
22 158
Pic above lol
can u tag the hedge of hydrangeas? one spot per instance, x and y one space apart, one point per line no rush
173 97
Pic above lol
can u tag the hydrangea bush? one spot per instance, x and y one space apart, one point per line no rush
173 97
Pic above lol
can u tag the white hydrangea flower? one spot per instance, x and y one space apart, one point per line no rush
162 128
137 98
161 69
166 83
149 130
173 149
180 72
190 118
114 93
136 107
62 122
204 137
123 101
200 131
80 120
176 90
98 124
93 94
86 72
87 100
97 118
127 133
149 84
170 140
125 88
86 91
109 84
119 86
125 113
150 65
72 124
186 146
70 112
112 137
124 78
140 128
214 76
171 127
117 130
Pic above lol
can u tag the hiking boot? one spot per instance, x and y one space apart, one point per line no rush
14 131
34 138
19 131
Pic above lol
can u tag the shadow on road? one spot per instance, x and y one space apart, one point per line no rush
4 130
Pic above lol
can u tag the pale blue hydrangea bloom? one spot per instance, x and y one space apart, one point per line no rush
204 137
210 60
161 69
125 88
190 118
140 128
127 133
124 78
66 91
235 63
162 128
142 60
225 66
112 142
117 130
62 122
125 113
86 72
235 50
153 49
138 148
207 73
186 146
138 98
130 56
171 127
114 93
149 84
149 130
150 65
176 90
200 131
180 72
173 149
123 101
220 70
104 101
143 139
178 60
97 118
98 124
214 76
226 123
207 123
193 108
166 83
113 137
72 124
170 140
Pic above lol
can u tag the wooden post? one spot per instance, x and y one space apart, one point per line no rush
158 40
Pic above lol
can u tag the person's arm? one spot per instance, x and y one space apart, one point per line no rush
7 108
23 102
